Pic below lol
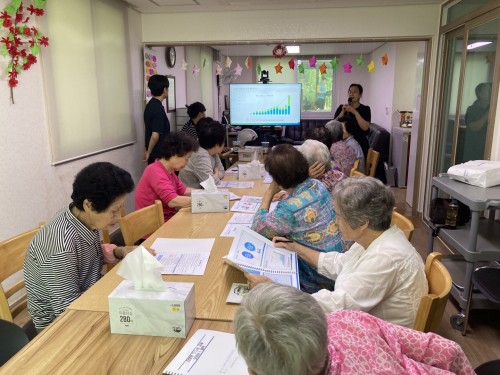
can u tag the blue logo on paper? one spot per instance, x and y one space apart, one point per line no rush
249 246
246 254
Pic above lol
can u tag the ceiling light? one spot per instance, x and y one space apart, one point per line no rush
477 45
293 49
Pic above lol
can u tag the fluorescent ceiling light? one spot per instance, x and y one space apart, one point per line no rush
477 45
293 49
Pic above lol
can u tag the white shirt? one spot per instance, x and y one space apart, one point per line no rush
387 279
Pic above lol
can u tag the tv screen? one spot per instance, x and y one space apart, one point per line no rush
265 104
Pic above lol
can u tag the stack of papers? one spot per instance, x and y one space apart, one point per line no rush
236 222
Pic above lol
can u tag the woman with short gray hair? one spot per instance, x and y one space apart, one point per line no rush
283 331
382 273
320 163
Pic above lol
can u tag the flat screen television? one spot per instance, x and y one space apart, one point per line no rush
272 104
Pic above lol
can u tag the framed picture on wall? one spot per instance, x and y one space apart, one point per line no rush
171 94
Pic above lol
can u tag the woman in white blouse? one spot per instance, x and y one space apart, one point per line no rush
381 273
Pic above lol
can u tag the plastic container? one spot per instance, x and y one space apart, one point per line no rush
451 215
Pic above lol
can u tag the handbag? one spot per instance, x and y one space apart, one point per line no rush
439 208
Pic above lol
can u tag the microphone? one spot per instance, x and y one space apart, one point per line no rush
349 101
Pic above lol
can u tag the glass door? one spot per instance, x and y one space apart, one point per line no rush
466 117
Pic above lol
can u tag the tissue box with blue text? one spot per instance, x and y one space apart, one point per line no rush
167 313
209 201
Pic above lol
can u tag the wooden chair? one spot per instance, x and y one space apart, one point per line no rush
403 223
142 222
12 252
355 173
432 305
355 168
371 162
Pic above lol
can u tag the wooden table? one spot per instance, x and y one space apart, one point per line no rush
80 342
212 288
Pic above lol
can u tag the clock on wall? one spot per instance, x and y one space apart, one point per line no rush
170 56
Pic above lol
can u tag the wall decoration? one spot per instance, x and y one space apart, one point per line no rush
149 70
171 94
19 41
334 63
279 51
312 62
291 63
278 68
347 67
385 59
371 67
359 60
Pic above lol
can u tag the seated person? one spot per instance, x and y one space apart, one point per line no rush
321 134
382 273
306 215
347 127
342 155
281 331
205 161
196 112
65 257
318 157
159 180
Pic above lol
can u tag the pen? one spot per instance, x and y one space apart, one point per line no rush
284 241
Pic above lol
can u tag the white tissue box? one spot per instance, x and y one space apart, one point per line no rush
209 201
167 313
251 171
250 153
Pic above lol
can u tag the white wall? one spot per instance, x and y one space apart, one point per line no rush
32 190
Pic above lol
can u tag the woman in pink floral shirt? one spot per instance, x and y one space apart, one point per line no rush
283 331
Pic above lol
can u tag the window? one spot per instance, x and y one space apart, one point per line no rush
316 88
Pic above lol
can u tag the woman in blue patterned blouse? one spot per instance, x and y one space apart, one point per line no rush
306 216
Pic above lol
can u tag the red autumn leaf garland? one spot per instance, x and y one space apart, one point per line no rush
22 42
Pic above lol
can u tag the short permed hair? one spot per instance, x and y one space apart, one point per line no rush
320 133
281 330
210 133
157 83
336 130
287 166
361 200
101 184
177 144
314 151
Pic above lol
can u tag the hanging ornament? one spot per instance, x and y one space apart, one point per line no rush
322 68
278 68
359 60
371 67
196 70
301 68
184 65
218 70
248 62
228 62
385 59
347 67
237 70
334 63
259 69
291 63
312 62
279 51
205 62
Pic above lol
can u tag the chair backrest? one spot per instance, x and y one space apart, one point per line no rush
371 162
403 223
106 238
432 305
355 173
12 252
142 222
12 339
354 168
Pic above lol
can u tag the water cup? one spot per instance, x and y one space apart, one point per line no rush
265 147
236 145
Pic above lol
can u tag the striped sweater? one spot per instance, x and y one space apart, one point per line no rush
64 259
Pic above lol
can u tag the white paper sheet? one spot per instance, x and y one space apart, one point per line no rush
247 204
231 230
236 184
182 256
241 218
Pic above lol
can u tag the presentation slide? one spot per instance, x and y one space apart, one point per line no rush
265 104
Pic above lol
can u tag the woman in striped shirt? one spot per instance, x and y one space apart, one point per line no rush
66 256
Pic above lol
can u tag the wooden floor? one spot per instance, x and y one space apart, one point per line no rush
482 342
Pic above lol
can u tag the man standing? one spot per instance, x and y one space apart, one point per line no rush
155 118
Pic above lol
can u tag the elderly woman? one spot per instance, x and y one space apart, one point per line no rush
159 180
320 164
282 331
205 161
342 155
66 256
306 215
382 273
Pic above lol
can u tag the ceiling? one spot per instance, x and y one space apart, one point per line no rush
182 6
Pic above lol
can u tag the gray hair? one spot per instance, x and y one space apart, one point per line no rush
314 151
281 331
336 129
364 199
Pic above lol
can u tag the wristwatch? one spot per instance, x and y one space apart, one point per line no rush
170 56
